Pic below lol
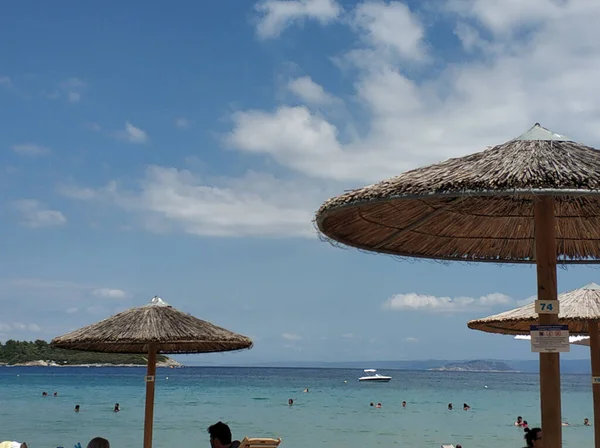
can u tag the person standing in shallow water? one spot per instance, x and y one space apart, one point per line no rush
98 442
533 438
76 408
117 407
220 436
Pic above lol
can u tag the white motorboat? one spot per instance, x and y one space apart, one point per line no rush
373 376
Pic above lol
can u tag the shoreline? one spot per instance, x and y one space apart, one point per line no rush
170 363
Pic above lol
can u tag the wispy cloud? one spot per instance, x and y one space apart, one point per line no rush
107 293
414 302
291 337
310 92
411 339
19 327
183 123
34 215
73 89
276 15
133 134
30 149
94 127
171 199
5 81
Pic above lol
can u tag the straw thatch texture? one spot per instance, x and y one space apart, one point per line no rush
478 207
576 308
133 330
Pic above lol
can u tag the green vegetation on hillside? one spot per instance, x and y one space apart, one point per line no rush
15 352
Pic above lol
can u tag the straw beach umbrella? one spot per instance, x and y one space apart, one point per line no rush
152 329
580 309
534 199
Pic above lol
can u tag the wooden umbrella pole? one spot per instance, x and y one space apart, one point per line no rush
149 414
545 254
595 355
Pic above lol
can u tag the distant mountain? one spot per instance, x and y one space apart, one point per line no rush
475 366
573 366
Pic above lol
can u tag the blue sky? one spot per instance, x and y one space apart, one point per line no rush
182 151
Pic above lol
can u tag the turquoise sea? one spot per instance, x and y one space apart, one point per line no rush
254 403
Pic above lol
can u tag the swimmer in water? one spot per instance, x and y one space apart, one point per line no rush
76 408
519 421
117 407
586 422
55 394
306 390
44 394
565 424
525 425
466 407
449 406
372 404
290 402
404 404
378 405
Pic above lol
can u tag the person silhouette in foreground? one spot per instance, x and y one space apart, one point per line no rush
220 436
533 437
98 442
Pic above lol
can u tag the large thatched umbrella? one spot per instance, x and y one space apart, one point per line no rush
579 308
534 199
152 329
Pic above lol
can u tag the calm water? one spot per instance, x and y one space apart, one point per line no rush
254 403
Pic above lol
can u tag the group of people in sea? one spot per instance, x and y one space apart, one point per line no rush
523 423
116 408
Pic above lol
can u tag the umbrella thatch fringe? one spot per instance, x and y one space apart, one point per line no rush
576 308
476 208
172 331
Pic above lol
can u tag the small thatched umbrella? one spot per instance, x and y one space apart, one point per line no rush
579 308
152 329
534 199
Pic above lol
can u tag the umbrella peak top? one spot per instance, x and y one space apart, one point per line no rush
538 132
157 301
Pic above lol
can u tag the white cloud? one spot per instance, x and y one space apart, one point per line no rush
72 89
74 97
527 300
347 336
254 205
411 339
414 301
182 123
30 149
277 15
309 91
107 293
133 134
291 337
34 215
415 115
390 28
413 104
19 327
95 127
71 310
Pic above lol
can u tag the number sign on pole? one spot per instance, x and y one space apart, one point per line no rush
546 306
